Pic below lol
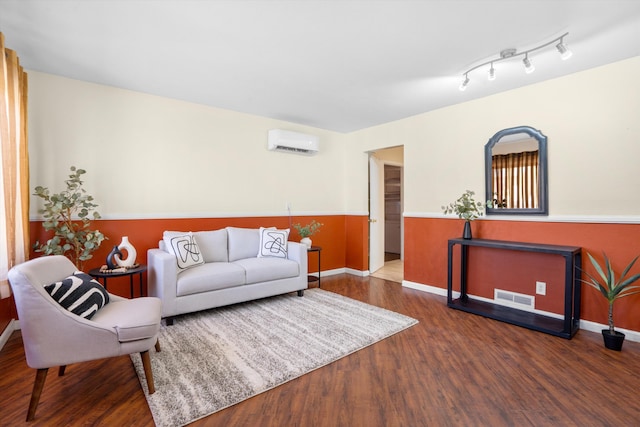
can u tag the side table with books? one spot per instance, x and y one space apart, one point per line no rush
104 274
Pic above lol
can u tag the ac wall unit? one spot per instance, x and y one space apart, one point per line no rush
293 142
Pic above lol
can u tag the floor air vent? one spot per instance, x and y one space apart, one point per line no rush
514 299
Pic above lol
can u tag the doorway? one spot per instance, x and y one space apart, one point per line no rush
386 228
392 212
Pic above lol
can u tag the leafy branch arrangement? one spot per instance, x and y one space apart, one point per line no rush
608 286
72 237
466 207
309 229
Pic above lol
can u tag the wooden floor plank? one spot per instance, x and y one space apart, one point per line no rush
452 369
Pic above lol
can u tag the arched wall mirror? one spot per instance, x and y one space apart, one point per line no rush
516 172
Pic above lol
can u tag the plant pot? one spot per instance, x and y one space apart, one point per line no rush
466 232
613 341
306 241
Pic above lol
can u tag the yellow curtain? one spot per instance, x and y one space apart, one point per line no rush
515 180
14 165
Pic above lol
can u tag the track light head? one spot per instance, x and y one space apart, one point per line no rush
492 73
463 85
565 53
528 66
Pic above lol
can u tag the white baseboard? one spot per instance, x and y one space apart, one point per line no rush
325 273
358 273
587 325
424 288
351 271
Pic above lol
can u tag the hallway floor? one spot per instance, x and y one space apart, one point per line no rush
393 269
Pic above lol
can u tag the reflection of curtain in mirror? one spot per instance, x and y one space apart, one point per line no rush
515 180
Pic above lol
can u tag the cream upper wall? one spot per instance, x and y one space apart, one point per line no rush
590 119
148 156
394 155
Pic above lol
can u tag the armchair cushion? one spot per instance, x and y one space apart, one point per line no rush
79 294
133 319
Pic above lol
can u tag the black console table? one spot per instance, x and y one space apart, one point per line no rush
565 328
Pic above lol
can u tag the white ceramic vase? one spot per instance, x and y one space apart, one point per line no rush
306 241
131 253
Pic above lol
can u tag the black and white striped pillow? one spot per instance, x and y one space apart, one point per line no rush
80 294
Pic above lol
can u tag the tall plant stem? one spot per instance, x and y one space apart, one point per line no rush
611 329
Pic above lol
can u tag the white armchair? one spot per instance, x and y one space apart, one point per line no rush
53 336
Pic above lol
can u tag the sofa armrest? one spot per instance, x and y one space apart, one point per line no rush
162 278
298 252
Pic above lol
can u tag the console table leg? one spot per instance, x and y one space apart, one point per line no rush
464 259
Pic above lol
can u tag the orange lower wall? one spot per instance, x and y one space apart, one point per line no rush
357 239
344 242
341 237
486 271
426 260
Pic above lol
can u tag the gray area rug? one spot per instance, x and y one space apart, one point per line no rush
214 359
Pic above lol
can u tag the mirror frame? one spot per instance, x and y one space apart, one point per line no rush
543 185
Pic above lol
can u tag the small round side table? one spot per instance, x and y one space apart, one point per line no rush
104 275
312 278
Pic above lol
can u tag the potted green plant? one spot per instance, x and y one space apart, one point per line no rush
307 230
68 215
468 209
612 289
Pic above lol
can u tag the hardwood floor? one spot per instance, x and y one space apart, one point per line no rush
452 369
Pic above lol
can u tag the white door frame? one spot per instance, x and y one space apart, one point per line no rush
376 242
376 213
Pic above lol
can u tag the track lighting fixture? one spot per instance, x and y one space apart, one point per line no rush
506 54
464 84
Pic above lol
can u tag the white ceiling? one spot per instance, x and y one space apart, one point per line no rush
337 65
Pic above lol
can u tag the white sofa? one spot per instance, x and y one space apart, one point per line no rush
223 267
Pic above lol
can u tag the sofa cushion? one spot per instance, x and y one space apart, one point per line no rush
209 277
273 243
184 247
243 243
213 245
266 269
